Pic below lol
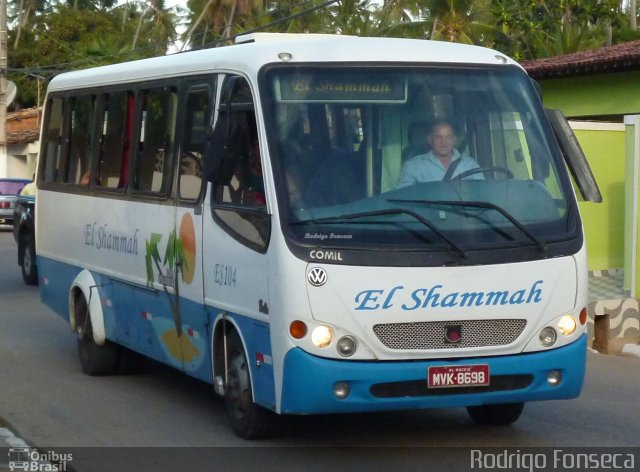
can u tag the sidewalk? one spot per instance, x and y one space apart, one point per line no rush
613 315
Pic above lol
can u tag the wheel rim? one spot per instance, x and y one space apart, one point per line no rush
239 386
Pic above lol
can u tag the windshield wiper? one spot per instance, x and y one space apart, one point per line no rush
390 211
477 204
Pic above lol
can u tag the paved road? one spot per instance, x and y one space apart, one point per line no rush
46 400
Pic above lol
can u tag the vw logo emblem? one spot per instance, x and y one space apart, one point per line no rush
317 277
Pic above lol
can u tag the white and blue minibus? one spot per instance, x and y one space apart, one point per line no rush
236 213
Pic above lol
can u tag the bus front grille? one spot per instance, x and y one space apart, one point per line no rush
428 335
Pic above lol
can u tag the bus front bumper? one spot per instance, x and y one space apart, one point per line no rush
309 381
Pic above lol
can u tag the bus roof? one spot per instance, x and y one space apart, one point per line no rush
253 51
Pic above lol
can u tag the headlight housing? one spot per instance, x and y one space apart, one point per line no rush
327 340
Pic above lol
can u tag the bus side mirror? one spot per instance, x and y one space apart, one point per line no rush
574 157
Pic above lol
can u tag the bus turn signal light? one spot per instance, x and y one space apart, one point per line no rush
298 329
583 316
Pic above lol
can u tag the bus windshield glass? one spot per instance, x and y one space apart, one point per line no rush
421 159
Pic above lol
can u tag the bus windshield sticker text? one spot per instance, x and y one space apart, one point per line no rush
323 236
102 237
437 297
341 87
224 275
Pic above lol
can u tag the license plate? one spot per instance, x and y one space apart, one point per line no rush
458 376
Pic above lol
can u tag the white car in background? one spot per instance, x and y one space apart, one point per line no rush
9 190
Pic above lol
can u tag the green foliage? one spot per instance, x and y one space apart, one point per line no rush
50 36
542 28
62 36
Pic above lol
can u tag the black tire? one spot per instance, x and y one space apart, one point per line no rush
94 359
129 362
248 420
496 415
28 265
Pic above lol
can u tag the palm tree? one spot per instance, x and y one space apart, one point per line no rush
26 11
462 21
218 19
160 25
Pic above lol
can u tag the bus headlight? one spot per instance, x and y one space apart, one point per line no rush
346 346
567 325
548 336
321 336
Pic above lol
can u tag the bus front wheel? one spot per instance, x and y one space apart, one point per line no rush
248 420
94 359
497 415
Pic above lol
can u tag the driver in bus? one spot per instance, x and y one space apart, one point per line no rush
442 162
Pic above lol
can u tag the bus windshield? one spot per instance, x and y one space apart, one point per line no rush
422 159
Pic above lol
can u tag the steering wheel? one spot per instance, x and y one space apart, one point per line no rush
484 170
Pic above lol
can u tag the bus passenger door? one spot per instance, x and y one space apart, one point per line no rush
236 230
191 341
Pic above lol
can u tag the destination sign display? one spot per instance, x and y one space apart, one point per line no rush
342 87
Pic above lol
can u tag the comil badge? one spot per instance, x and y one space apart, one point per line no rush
317 277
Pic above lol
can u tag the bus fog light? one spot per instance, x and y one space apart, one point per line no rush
554 378
548 336
341 390
346 346
321 336
567 325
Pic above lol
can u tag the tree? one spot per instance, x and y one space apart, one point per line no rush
462 21
22 13
84 34
540 28
159 29
212 20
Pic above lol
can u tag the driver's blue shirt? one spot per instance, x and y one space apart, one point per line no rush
428 168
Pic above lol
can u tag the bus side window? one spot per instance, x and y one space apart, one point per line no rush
115 141
52 145
80 140
238 198
243 182
155 144
194 141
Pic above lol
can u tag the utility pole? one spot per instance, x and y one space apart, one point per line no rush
3 88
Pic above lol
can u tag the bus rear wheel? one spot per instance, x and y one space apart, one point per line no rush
248 420
94 359
496 415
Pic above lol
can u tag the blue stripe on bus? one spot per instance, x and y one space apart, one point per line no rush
309 381
141 319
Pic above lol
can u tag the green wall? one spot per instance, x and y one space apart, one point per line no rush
604 222
593 95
